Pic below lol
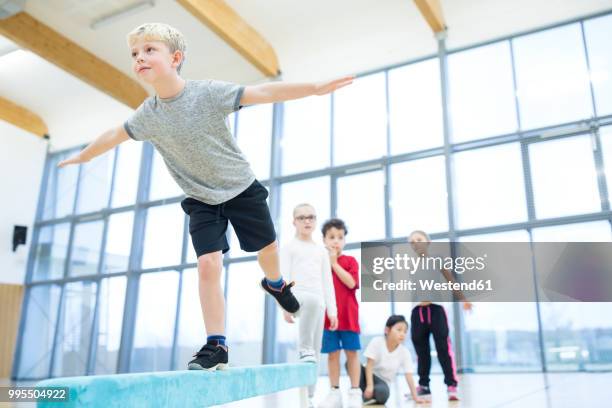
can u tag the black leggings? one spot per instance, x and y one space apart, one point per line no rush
426 320
381 389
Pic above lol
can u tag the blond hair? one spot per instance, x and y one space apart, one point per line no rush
423 233
165 33
297 207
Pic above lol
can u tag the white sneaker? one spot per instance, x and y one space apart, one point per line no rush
333 399
308 356
354 398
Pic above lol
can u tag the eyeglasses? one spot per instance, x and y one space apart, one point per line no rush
306 218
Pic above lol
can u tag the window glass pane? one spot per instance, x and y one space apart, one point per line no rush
598 32
95 182
155 319
191 330
305 140
576 335
360 120
74 335
127 173
37 338
552 78
606 144
254 135
163 240
415 107
312 191
481 92
50 252
118 242
361 205
85 253
595 231
418 196
110 319
563 177
162 184
61 188
245 313
489 186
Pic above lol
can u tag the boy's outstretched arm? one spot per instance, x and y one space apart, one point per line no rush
101 144
283 91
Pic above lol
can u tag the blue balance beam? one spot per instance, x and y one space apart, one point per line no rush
180 388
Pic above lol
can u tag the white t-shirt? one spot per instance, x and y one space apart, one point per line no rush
307 263
387 364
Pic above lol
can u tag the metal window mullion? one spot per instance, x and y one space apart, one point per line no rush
448 160
30 264
597 152
387 181
270 309
135 259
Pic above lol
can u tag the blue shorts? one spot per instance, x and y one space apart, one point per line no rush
340 339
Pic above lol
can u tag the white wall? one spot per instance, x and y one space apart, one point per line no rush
22 158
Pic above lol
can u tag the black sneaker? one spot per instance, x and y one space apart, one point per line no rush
424 392
283 296
212 356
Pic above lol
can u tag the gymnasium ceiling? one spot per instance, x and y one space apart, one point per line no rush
313 40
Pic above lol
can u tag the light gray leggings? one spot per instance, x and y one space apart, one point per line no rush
310 326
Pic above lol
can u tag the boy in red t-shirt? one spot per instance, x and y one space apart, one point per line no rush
345 272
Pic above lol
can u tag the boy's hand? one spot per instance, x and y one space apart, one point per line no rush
333 255
76 159
326 87
333 322
288 317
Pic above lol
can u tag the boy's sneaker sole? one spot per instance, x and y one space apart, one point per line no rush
196 366
283 297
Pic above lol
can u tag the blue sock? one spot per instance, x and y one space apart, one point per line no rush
277 284
218 338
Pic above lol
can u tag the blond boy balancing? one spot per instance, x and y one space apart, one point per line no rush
186 122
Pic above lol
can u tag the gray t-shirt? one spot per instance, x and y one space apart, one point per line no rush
190 131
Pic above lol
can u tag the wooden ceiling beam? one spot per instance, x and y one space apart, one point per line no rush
22 118
234 30
29 33
432 12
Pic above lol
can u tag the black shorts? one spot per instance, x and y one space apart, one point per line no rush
248 212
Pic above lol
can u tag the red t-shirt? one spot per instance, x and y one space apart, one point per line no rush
348 308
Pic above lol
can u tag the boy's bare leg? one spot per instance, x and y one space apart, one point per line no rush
333 368
211 294
353 367
268 260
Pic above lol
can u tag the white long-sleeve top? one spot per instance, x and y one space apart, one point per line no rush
307 263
